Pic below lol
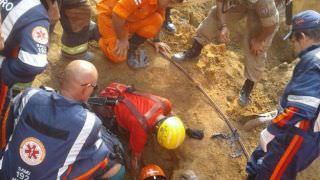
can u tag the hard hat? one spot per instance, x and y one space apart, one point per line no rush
171 132
152 171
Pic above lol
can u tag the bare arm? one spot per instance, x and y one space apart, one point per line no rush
220 14
118 25
122 44
265 33
135 164
224 36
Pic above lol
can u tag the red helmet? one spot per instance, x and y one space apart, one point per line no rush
152 172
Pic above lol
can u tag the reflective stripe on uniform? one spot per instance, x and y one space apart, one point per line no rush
78 143
37 60
316 127
25 99
318 55
306 100
75 50
21 8
22 104
1 60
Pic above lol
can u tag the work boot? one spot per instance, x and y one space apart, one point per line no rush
136 60
93 32
245 92
167 24
191 53
87 56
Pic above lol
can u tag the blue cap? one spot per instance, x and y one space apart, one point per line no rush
304 20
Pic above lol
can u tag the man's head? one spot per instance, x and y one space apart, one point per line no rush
305 30
79 80
166 3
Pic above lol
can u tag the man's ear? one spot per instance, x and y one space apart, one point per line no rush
303 36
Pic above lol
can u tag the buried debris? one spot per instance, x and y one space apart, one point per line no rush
257 120
195 133
232 139
188 175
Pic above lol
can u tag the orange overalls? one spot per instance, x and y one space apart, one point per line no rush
143 17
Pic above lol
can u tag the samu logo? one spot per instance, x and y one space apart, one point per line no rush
8 6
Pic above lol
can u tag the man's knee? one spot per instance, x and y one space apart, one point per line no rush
107 46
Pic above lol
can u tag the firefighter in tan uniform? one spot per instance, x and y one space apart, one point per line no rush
262 24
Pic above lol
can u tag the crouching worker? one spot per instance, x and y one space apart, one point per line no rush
126 24
291 141
142 115
56 137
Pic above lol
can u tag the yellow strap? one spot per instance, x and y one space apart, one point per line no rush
74 50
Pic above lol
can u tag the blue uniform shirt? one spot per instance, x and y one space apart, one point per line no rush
53 138
25 27
303 90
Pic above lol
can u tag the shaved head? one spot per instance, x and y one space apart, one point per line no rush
76 74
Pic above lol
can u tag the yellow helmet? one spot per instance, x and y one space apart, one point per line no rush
171 132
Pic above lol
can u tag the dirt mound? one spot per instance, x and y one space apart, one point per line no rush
220 71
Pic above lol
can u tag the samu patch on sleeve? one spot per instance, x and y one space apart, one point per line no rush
40 35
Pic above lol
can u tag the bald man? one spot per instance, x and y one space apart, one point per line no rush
56 137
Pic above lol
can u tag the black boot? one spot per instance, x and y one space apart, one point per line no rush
136 60
245 92
168 25
191 53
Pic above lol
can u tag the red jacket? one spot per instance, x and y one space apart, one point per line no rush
126 119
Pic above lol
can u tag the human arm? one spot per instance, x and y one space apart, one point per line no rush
122 44
53 11
32 54
99 157
137 140
302 99
224 36
135 163
120 13
269 19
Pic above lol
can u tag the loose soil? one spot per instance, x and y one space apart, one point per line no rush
220 71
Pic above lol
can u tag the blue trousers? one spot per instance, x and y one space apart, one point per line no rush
287 154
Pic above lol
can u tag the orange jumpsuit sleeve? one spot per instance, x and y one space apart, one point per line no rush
162 12
125 7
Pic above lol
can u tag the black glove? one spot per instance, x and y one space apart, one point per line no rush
195 133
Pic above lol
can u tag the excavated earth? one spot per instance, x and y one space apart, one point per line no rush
220 71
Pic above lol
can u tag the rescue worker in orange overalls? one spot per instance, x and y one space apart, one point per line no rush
126 24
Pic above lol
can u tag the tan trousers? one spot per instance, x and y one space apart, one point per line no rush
208 31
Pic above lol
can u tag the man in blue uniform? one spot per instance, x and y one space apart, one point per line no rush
56 137
24 28
291 142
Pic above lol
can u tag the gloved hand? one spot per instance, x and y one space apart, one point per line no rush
195 133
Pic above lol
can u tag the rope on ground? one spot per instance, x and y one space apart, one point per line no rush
212 103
